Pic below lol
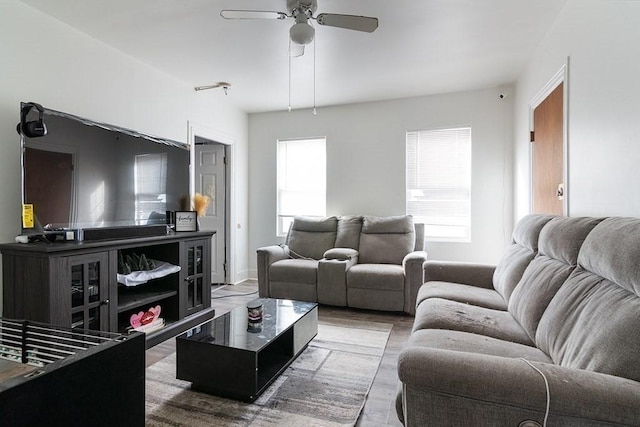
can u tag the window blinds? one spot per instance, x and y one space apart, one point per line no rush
439 182
150 175
301 180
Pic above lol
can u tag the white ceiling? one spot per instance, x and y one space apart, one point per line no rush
421 47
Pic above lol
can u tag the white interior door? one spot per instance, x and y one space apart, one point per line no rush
210 174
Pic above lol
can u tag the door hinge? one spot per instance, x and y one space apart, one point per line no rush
532 136
224 160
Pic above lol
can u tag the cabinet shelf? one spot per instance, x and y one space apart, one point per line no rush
141 299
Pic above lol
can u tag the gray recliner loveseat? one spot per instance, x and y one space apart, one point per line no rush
356 261
552 333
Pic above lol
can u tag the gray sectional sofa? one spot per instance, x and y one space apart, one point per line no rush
552 333
356 261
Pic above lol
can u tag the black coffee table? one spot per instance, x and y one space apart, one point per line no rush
224 358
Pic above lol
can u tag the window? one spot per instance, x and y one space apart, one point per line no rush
439 182
301 180
150 173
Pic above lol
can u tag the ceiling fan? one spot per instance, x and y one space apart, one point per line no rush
301 32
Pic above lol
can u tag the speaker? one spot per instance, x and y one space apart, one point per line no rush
123 232
33 128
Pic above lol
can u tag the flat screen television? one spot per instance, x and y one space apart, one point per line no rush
88 175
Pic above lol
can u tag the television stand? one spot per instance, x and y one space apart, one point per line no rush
74 284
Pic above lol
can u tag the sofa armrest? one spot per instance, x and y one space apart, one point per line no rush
341 254
267 255
413 264
508 390
332 276
480 275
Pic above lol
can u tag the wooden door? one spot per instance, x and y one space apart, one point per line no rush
548 154
48 185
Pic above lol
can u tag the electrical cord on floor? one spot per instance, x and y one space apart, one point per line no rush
235 295
546 385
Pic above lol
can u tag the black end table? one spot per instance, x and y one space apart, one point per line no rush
228 358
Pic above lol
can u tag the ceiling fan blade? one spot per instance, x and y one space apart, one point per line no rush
296 50
252 14
350 22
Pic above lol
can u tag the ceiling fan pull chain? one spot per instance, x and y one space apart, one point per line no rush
314 77
289 55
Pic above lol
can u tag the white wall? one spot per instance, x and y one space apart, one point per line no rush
46 61
600 38
366 163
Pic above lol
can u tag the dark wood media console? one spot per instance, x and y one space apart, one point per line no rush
74 284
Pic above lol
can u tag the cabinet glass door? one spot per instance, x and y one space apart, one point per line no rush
88 292
195 279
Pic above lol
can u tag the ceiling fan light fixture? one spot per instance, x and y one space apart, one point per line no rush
302 33
224 85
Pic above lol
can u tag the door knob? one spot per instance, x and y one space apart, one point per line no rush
560 191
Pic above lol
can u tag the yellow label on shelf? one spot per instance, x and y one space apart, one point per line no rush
27 216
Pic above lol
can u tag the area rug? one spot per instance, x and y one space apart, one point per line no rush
325 386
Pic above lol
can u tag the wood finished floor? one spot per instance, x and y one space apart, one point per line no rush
379 409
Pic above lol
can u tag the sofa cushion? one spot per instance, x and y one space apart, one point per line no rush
311 237
349 228
517 257
437 313
467 294
376 276
474 343
386 240
592 323
294 271
559 244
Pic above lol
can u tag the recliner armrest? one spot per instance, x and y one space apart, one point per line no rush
480 275
415 257
413 278
274 252
267 255
332 275
341 254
